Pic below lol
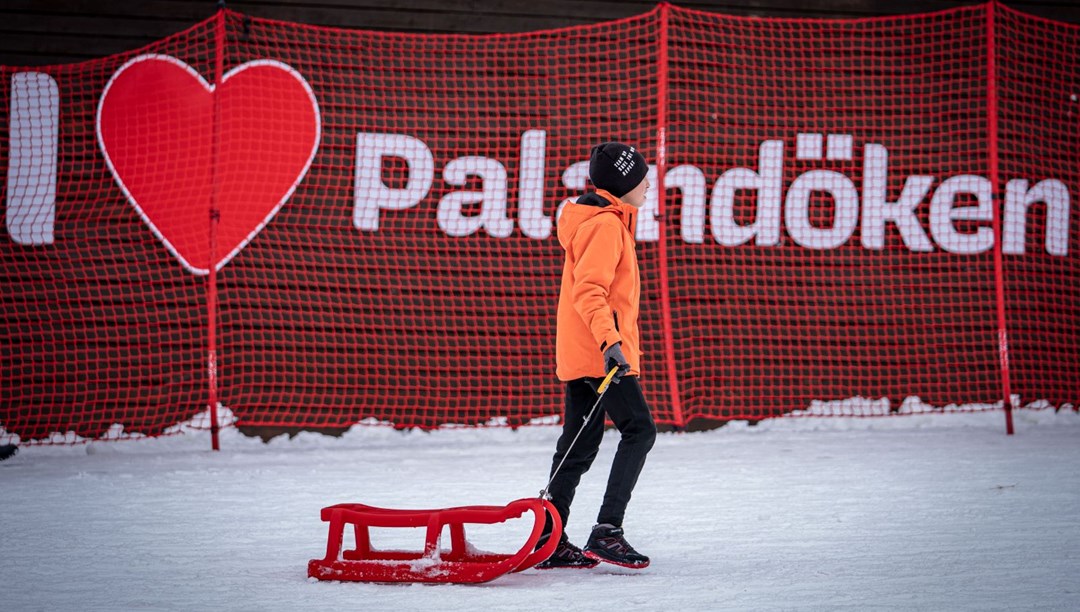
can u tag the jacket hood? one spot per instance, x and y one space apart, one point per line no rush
590 206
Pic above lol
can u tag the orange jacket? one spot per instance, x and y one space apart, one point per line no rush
601 286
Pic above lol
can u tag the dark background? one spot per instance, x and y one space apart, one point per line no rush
43 32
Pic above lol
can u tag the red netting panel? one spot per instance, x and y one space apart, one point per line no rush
101 326
413 276
1039 132
362 223
811 262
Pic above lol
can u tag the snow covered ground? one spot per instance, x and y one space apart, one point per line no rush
928 512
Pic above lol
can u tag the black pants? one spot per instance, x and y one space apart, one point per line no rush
625 405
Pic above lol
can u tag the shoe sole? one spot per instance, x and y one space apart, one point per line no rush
596 557
567 567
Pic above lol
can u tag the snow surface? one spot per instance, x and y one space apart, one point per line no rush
926 512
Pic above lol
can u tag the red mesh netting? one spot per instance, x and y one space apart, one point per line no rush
315 227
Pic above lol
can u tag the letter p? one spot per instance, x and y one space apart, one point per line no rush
371 193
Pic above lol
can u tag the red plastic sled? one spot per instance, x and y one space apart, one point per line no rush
461 564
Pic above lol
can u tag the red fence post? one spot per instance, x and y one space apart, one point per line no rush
992 153
661 168
214 218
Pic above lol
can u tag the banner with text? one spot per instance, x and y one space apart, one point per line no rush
315 227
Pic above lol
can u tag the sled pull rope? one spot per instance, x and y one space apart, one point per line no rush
600 391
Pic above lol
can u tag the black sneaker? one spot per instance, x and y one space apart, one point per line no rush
567 555
607 544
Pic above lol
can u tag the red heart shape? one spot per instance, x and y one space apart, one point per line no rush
156 128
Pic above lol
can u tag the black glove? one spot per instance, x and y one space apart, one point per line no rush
613 357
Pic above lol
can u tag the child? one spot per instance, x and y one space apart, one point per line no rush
597 330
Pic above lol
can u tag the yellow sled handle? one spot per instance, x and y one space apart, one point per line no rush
607 381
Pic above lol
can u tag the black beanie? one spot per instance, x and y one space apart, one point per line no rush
617 168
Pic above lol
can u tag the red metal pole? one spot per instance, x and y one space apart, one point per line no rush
999 264
661 169
215 216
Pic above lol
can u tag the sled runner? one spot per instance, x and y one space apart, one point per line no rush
460 564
